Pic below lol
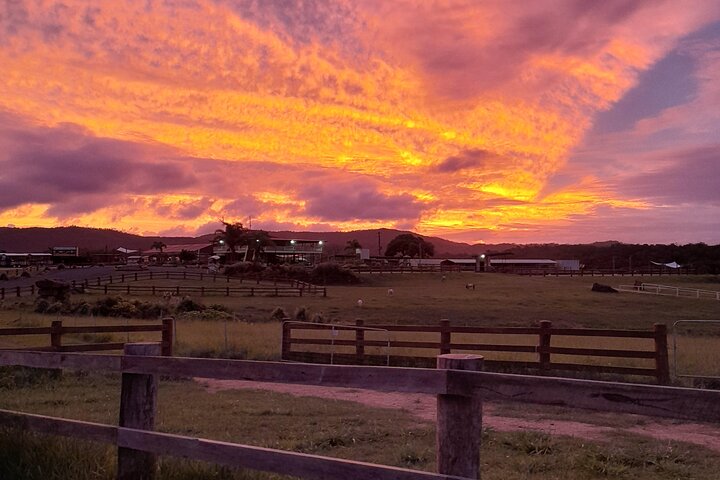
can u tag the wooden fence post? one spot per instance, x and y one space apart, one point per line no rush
2 293
662 364
459 423
286 341
167 337
444 336
138 403
359 341
544 344
56 335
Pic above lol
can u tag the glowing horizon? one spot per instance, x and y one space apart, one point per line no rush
470 122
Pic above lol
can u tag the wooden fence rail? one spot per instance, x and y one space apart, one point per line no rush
107 283
460 390
57 330
543 348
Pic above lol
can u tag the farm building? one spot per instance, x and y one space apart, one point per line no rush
290 250
522 265
202 251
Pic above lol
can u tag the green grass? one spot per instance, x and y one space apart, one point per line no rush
324 427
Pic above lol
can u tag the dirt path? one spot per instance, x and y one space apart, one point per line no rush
423 407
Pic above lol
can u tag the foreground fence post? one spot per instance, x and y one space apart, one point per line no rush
286 340
662 364
444 336
167 336
459 422
359 341
544 344
138 403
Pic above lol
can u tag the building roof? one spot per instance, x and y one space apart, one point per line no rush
190 247
522 261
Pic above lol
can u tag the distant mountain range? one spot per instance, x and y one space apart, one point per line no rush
97 239
606 254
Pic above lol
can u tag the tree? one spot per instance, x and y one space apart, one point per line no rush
257 240
158 246
235 235
232 236
352 245
410 245
187 256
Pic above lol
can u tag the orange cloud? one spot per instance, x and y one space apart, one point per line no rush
393 96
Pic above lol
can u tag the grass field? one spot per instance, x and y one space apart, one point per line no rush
324 427
347 430
506 300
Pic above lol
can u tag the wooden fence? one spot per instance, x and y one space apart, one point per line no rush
107 284
459 386
56 331
543 347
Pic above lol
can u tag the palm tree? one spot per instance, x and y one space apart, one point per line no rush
232 236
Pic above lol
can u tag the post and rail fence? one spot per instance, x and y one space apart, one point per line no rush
355 351
457 382
109 284
56 330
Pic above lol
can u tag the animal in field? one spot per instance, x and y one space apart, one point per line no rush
390 292
469 286
443 278
360 303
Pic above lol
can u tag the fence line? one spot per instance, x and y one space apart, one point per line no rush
459 387
57 330
98 283
668 290
543 348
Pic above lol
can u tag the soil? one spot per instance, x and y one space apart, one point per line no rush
423 407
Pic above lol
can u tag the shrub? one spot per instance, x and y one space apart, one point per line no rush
187 304
301 314
3 276
220 308
58 307
41 305
25 274
331 273
241 268
318 318
278 314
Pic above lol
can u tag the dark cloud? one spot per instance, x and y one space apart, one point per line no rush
78 173
691 176
244 206
357 200
465 159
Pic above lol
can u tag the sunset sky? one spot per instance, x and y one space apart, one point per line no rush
477 121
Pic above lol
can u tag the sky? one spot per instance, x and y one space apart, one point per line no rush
566 121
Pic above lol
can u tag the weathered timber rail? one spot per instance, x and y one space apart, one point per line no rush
56 331
249 286
543 348
458 384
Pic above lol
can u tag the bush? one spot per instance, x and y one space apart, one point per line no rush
220 308
3 276
187 304
301 314
278 314
41 305
207 314
241 268
25 274
318 318
331 273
